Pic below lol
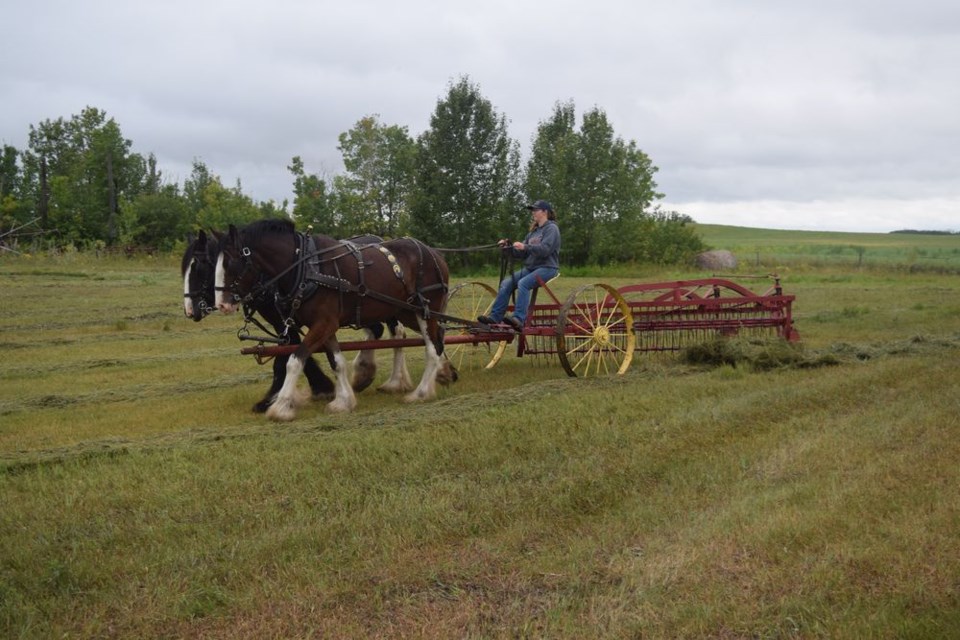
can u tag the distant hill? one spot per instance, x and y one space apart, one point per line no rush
929 233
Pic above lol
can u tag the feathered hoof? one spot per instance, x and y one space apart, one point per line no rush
418 396
282 411
395 386
447 374
341 406
363 374
301 397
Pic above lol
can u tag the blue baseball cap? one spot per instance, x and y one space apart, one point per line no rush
540 204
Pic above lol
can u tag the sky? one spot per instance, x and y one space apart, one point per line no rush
834 115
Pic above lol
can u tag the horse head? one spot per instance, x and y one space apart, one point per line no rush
197 268
249 256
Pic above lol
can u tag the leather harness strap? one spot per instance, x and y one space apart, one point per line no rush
310 276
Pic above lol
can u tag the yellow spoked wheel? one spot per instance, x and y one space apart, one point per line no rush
466 301
595 332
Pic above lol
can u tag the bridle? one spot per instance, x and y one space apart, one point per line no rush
234 287
196 296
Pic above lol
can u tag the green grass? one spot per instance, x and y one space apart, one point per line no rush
751 491
774 248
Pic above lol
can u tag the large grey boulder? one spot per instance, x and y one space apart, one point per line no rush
716 260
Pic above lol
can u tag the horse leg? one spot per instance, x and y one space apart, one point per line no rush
399 381
284 407
427 389
365 364
285 403
279 371
320 385
446 372
344 400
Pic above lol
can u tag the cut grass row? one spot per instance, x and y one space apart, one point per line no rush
762 504
141 498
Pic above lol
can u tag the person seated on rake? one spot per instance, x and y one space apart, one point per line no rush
540 251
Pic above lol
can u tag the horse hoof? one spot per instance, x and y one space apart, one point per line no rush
360 385
281 412
447 374
340 407
395 387
364 373
418 397
261 407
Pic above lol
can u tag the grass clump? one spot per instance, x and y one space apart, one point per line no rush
770 353
756 354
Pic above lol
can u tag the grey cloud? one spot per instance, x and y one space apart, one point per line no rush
741 104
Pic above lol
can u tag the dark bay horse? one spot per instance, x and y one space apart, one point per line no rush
197 270
331 284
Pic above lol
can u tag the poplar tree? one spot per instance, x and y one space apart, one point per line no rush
467 185
312 203
601 186
371 197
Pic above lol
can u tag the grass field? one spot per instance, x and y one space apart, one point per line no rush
885 251
141 497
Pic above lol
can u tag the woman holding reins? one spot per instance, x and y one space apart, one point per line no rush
540 251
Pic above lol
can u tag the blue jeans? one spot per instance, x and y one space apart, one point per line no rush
526 282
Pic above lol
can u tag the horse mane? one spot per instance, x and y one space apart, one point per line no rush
268 226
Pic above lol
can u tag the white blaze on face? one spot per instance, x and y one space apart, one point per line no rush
187 302
221 299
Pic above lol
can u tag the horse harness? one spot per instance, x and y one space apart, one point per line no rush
310 274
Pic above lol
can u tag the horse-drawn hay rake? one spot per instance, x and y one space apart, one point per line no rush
597 329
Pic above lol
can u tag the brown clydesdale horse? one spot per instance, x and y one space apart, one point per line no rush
329 284
197 270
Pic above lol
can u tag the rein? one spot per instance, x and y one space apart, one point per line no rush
479 247
262 287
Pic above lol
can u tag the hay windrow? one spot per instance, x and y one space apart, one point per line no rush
772 353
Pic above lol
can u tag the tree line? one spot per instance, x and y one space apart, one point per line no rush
460 183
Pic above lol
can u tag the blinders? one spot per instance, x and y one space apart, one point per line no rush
201 289
244 287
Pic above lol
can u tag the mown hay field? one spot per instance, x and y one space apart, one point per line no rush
142 498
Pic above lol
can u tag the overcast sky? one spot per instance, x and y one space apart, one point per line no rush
840 115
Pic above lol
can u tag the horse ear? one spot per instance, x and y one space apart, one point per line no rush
234 235
201 239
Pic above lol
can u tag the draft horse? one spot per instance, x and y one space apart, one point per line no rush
331 284
197 270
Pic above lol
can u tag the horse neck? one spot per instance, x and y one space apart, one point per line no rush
324 242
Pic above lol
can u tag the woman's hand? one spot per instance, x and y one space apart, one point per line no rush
519 246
